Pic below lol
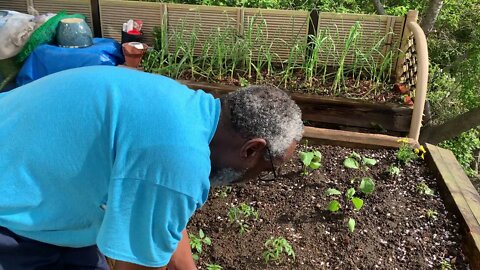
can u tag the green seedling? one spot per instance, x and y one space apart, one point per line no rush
423 188
356 161
367 185
225 191
351 225
432 214
334 205
406 153
310 159
214 266
243 82
393 170
277 249
197 242
445 265
241 215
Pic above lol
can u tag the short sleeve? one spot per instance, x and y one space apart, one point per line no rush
143 222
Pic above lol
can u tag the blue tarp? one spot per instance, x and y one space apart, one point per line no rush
48 59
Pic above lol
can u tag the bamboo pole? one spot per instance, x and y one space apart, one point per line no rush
422 79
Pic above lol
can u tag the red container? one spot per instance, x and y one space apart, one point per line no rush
133 55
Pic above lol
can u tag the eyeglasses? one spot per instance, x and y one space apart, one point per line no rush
267 176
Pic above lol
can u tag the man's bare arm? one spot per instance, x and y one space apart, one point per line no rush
181 259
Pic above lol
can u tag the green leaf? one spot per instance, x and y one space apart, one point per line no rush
314 165
195 257
367 185
369 161
351 163
333 206
429 191
317 155
201 234
306 157
356 156
332 191
351 225
350 193
357 203
207 241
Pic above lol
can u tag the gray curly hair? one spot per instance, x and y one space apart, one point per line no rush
265 112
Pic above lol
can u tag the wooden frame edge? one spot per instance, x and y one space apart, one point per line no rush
460 196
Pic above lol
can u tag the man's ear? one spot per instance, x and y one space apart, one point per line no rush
253 148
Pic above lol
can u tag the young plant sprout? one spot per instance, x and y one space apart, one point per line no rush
197 242
351 225
367 185
225 191
310 159
356 161
406 153
334 205
241 215
277 249
445 265
432 214
393 170
423 188
214 266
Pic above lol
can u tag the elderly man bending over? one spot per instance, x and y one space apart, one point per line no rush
120 160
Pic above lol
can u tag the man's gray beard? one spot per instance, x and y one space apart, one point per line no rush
225 176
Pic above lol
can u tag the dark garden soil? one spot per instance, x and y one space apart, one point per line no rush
351 88
392 230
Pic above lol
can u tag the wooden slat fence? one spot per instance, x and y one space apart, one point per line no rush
71 6
16 5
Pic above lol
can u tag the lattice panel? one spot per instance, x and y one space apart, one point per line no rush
113 13
409 75
374 29
71 6
16 5
281 30
202 24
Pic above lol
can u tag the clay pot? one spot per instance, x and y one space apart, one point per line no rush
133 52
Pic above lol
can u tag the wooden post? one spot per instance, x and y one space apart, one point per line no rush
422 79
412 16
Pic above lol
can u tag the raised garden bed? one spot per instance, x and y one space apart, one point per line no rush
337 112
400 225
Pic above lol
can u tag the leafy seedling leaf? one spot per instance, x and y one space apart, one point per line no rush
333 206
369 161
201 234
367 185
351 163
350 193
351 225
317 155
306 157
332 191
356 156
357 203
207 241
314 165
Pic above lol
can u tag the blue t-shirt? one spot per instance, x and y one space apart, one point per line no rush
107 156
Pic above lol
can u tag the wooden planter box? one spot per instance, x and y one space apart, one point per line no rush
345 113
